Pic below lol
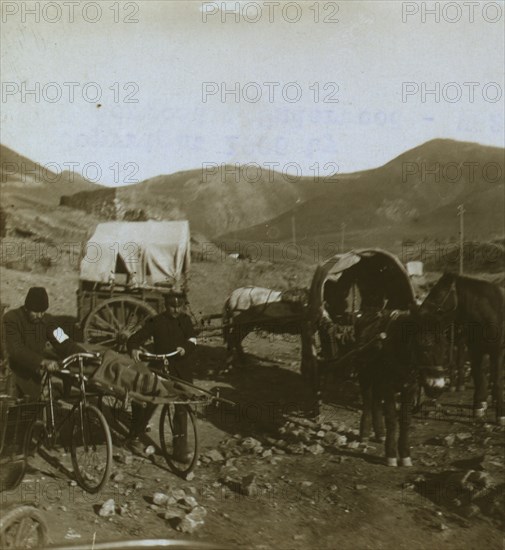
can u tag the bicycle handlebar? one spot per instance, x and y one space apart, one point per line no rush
146 356
77 356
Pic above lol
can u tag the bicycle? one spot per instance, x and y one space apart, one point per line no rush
174 432
90 439
22 527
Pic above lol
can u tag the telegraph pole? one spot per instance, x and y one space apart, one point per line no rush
293 224
342 236
461 212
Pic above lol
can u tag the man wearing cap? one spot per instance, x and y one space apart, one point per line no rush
27 330
171 331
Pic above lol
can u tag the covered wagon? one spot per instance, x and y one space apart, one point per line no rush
126 270
344 289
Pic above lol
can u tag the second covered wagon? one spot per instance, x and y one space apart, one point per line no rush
126 270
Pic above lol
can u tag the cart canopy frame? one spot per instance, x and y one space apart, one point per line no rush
150 253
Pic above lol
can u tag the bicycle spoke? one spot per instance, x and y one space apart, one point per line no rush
91 448
19 539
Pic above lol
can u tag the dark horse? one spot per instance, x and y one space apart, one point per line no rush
256 308
478 308
401 352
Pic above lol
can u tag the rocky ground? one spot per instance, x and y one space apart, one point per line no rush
269 478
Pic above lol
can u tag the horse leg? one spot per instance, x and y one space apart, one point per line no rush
233 348
391 427
378 417
460 366
365 385
452 372
480 383
406 406
496 368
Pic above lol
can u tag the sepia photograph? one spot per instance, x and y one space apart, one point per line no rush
252 274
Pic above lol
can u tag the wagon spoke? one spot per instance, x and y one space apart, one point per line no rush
104 323
122 316
114 320
131 315
102 331
113 317
100 334
109 341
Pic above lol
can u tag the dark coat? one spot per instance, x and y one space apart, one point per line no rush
26 343
168 334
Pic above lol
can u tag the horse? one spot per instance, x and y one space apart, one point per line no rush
402 352
257 308
477 307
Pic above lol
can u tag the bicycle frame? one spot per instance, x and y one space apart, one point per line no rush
52 428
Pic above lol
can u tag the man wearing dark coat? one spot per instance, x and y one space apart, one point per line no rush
171 331
27 331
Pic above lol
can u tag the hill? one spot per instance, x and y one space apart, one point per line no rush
30 194
405 204
413 197
224 198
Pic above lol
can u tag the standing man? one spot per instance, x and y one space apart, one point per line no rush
171 331
27 331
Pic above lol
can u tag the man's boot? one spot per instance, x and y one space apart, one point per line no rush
140 417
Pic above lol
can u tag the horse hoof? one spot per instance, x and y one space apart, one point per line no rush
501 421
364 439
381 439
393 462
483 405
407 462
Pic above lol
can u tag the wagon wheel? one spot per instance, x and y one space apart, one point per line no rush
113 321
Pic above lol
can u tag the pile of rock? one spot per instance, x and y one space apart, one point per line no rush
182 511
235 447
296 436
301 435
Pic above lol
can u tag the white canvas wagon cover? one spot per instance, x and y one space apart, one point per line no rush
150 252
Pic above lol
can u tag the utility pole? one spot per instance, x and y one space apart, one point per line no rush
461 211
342 236
293 224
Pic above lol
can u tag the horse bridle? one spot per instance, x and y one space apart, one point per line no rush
452 290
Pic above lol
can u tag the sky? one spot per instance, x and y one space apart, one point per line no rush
124 91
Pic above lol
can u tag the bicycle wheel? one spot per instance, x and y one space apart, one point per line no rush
91 448
179 438
23 527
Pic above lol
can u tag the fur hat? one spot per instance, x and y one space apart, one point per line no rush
37 299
